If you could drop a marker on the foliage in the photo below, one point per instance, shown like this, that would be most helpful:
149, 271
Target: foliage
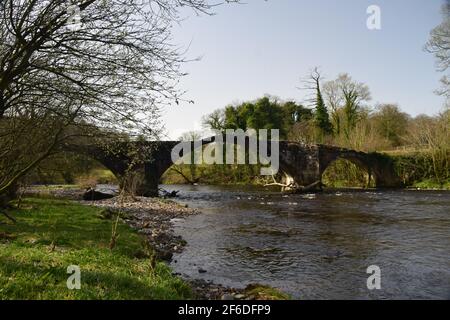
95, 177
67, 168
391, 124
432, 184
264, 113
355, 126
215, 175
342, 173
432, 136
262, 292
415, 167
321, 116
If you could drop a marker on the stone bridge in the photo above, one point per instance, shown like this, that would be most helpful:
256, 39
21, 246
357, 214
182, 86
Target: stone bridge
300, 164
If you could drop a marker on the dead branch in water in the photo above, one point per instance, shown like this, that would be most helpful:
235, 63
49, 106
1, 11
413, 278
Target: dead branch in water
295, 188
312, 186
276, 183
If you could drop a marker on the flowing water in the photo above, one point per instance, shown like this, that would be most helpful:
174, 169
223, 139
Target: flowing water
318, 246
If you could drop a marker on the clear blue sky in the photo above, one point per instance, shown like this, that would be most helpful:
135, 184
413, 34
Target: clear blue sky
265, 47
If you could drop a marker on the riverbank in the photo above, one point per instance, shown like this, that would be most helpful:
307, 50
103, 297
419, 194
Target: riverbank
153, 218
149, 223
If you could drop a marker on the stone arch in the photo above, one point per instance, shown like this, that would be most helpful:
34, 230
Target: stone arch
360, 162
378, 166
158, 160
118, 162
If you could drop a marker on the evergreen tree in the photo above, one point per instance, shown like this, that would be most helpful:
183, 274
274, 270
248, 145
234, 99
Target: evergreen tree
321, 117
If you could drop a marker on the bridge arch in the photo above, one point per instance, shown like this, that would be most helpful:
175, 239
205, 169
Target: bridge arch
378, 166
353, 172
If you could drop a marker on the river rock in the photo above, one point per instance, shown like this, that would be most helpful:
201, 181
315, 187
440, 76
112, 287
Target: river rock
165, 255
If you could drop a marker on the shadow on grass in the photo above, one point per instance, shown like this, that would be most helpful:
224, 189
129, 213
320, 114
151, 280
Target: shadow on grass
34, 281
50, 235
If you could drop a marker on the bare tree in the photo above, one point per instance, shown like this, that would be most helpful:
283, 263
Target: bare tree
112, 68
354, 94
345, 97
439, 45
334, 99
431, 135
120, 60
214, 120
321, 117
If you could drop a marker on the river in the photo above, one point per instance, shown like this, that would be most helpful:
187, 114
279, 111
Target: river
318, 246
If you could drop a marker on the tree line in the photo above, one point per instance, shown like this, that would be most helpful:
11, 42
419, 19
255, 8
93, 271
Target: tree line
337, 112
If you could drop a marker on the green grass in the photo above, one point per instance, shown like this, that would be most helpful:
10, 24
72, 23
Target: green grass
263, 292
432, 184
104, 176
52, 234
96, 176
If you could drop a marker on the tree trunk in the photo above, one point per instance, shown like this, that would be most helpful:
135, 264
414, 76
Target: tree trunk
8, 195
5, 198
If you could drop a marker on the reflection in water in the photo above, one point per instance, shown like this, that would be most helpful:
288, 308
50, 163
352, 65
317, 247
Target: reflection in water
319, 246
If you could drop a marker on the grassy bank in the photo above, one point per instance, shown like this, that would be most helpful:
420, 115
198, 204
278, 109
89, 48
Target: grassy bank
422, 170
52, 234
431, 184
